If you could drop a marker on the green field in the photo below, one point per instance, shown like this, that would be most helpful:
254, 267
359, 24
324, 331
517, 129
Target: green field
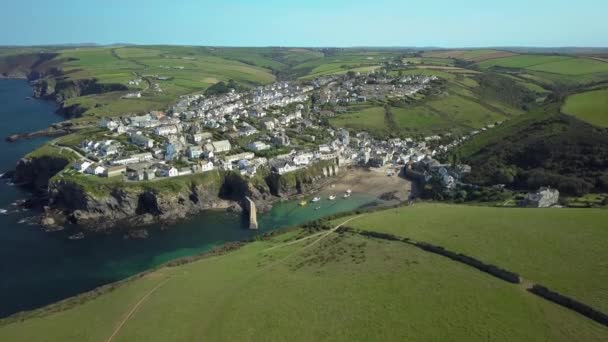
590, 106
550, 70
454, 113
521, 62
562, 249
574, 66
342, 287
367, 118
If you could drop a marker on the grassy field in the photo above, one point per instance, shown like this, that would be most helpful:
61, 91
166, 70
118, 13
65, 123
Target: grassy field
454, 112
562, 249
476, 55
367, 118
522, 61
177, 70
590, 106
344, 287
550, 70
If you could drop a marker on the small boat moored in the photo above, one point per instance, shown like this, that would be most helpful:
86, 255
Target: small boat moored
303, 203
332, 197
316, 199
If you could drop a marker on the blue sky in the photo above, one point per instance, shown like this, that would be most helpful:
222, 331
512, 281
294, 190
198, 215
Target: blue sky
445, 23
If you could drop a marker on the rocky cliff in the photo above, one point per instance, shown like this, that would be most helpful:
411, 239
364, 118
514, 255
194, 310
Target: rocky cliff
135, 205
104, 207
50, 81
35, 172
301, 181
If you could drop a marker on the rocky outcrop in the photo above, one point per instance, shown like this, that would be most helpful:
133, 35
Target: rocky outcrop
60, 90
50, 81
35, 172
131, 205
301, 181
140, 206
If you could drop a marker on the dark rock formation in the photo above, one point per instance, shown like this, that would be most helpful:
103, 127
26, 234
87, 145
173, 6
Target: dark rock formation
35, 173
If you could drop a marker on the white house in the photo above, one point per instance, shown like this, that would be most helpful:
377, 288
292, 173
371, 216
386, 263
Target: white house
221, 146
281, 166
81, 165
302, 158
206, 166
200, 137
168, 172
258, 146
166, 130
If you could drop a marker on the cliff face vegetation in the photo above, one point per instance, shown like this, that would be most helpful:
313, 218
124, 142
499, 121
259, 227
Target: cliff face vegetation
101, 203
50, 81
545, 149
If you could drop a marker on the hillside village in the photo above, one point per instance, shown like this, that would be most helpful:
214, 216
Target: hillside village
277, 127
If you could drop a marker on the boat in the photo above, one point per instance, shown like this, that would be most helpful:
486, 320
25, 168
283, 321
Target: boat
303, 203
3, 211
332, 197
349, 191
346, 195
316, 199
77, 236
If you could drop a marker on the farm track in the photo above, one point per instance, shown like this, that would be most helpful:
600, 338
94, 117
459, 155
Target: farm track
321, 235
134, 309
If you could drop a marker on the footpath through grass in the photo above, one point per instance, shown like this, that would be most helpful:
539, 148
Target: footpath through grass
344, 288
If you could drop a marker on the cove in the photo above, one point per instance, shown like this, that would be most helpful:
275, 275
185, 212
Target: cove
38, 268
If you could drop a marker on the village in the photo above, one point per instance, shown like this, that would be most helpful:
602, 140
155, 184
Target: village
277, 127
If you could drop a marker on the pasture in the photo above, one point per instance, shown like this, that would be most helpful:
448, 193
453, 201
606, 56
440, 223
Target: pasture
476, 55
591, 106
186, 70
563, 249
334, 286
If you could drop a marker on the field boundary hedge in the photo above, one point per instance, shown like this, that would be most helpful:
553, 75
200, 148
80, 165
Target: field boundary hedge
493, 270
570, 303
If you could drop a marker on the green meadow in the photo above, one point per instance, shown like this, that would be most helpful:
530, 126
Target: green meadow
336, 286
591, 107
564, 249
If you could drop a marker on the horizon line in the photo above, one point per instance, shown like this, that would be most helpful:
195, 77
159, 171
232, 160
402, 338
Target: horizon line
306, 47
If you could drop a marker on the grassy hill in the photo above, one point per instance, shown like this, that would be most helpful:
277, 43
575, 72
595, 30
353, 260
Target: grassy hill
543, 147
591, 107
551, 69
563, 249
459, 105
338, 286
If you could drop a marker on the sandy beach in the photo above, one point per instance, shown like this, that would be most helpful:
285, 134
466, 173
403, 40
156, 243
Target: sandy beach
374, 182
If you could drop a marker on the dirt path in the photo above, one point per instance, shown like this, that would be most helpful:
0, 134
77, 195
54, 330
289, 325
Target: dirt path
135, 307
308, 237
143, 299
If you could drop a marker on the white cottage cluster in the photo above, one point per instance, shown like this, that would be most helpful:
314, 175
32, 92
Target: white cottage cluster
262, 127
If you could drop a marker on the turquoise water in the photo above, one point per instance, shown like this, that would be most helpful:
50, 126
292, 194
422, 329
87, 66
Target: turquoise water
38, 268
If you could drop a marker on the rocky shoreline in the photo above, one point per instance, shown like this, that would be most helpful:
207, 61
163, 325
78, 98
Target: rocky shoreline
65, 203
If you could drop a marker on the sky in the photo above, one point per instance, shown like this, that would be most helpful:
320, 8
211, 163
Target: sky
307, 23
